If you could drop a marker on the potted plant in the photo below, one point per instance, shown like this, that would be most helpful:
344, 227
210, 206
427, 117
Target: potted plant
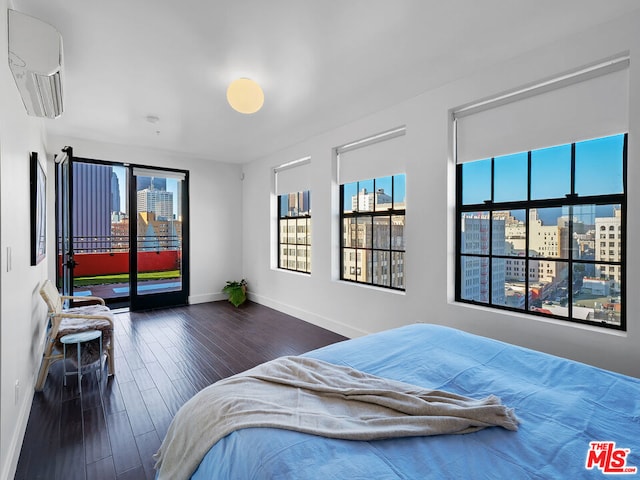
236, 291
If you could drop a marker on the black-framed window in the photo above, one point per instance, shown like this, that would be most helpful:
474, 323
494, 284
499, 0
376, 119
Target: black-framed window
294, 231
533, 232
372, 244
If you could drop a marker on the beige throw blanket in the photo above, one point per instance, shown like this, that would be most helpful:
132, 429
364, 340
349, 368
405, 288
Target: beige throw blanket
312, 396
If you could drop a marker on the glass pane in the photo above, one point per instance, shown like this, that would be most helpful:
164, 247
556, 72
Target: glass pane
301, 258
548, 292
291, 231
381, 268
381, 233
284, 205
597, 297
384, 190
291, 257
551, 172
283, 231
349, 232
476, 182
549, 232
400, 192
100, 236
608, 229
513, 295
349, 265
548, 286
301, 231
509, 233
308, 240
363, 239
475, 278
475, 232
283, 256
510, 177
498, 272
397, 232
585, 237
159, 234
365, 196
364, 270
304, 203
397, 270
599, 166
350, 197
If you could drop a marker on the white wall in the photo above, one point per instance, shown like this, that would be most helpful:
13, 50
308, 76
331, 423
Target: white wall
354, 309
215, 204
215, 208
22, 313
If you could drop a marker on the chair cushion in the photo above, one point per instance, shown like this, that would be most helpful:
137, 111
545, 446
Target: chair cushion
75, 325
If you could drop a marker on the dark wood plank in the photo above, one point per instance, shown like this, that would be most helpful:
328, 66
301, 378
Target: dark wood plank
96, 438
137, 473
123, 444
70, 461
148, 445
139, 418
162, 357
158, 411
102, 469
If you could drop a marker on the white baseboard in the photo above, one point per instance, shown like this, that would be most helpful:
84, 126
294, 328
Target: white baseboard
9, 469
310, 317
208, 297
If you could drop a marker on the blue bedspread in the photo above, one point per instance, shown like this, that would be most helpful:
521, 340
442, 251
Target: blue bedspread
563, 406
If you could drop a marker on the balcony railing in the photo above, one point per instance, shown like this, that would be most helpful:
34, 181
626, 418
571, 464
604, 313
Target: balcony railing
109, 255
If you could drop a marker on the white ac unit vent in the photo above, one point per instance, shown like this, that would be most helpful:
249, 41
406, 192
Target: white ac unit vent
35, 59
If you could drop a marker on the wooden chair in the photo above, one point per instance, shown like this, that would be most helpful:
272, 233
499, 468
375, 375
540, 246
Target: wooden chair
73, 320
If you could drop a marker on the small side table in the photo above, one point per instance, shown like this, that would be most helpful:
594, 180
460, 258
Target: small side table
79, 339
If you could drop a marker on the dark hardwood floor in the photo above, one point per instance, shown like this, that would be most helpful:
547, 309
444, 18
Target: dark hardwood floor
162, 358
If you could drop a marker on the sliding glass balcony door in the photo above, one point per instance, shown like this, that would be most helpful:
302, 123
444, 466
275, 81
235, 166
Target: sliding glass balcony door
159, 257
122, 232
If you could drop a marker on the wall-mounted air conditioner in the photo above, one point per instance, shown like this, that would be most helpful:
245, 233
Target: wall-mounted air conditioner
35, 59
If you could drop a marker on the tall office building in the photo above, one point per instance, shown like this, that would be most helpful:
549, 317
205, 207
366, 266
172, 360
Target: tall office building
115, 193
151, 183
609, 245
159, 202
92, 205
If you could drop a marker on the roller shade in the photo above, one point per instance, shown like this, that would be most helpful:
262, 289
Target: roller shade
149, 172
293, 176
590, 103
377, 156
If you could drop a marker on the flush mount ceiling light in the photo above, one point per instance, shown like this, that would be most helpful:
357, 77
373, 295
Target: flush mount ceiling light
245, 96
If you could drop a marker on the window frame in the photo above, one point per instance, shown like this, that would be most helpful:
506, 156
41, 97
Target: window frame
570, 200
357, 216
285, 244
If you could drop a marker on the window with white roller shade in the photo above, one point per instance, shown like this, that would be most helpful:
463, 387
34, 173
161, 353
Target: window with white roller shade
292, 181
590, 103
372, 210
293, 176
376, 156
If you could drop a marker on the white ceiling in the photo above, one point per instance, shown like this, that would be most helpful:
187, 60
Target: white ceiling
321, 63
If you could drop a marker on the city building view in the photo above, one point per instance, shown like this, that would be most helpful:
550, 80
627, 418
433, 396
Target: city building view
595, 285
294, 241
548, 244
373, 220
101, 230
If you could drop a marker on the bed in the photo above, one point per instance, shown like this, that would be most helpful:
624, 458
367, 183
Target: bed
576, 421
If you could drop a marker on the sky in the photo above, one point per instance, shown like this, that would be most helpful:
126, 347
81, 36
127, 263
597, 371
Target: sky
399, 188
598, 171
172, 186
